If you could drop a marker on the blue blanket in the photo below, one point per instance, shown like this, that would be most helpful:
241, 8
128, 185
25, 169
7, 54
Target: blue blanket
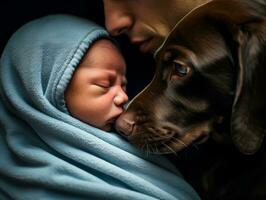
48, 154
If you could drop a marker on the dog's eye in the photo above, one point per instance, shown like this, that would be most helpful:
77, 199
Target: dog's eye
180, 69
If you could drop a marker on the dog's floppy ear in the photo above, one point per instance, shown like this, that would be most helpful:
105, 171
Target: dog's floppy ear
245, 22
248, 122
247, 25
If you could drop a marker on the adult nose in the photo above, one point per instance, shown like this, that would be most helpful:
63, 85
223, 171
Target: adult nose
117, 18
121, 98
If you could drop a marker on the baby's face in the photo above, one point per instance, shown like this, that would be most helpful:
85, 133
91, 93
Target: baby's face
96, 92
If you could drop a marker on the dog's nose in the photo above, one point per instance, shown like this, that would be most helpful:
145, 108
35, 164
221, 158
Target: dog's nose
125, 124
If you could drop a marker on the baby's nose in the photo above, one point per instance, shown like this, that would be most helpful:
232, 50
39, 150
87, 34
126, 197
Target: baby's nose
121, 98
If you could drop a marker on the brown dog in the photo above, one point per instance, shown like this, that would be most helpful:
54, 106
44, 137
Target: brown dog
210, 80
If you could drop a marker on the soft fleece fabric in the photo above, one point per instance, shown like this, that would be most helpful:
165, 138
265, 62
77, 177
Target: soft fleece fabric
47, 154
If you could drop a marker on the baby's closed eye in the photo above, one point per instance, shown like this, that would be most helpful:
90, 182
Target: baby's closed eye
103, 84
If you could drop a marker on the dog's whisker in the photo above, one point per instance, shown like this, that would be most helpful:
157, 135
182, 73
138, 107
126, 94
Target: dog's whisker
157, 150
180, 141
148, 150
142, 148
152, 150
168, 147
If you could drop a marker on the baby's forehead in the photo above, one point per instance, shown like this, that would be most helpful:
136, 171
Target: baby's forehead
107, 43
104, 54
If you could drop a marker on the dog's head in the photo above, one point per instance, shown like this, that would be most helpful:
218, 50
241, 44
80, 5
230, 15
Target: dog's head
210, 78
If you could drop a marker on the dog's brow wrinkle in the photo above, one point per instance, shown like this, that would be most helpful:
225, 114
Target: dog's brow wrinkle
197, 105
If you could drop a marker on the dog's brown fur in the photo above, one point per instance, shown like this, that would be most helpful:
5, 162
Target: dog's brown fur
210, 80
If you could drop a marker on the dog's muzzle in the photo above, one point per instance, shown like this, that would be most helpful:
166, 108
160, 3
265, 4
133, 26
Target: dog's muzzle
125, 124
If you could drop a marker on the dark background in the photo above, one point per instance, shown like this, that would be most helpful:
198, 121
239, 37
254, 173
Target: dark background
14, 14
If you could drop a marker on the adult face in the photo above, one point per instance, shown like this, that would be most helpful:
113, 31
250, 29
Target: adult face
146, 22
96, 92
